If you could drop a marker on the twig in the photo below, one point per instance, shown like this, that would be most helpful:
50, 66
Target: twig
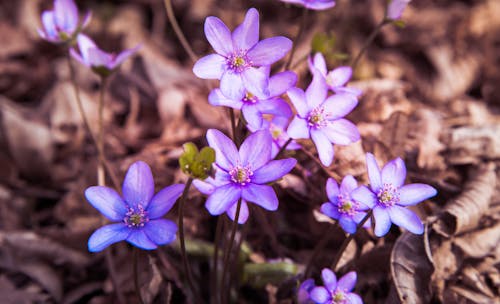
178, 32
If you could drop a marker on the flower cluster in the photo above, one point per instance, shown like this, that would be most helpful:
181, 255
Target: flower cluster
332, 292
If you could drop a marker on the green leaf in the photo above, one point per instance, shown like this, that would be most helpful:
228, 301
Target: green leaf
196, 164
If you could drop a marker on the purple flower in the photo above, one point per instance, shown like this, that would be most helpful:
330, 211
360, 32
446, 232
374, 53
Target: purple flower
321, 118
396, 8
303, 296
342, 206
138, 214
277, 127
388, 197
254, 106
61, 24
99, 61
243, 174
238, 55
336, 292
313, 4
335, 79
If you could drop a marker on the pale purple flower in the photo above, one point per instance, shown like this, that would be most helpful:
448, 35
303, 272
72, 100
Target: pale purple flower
395, 9
238, 55
243, 174
277, 127
336, 79
321, 118
303, 294
313, 4
336, 292
388, 197
138, 214
253, 107
342, 206
62, 24
99, 61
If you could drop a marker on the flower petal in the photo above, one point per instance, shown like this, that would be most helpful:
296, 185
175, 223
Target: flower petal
341, 132
216, 98
124, 55
339, 76
413, 194
222, 198
275, 106
348, 184
256, 82
84, 45
164, 200
382, 221
320, 295
232, 86
273, 170
270, 50
394, 172
99, 58
256, 149
348, 281
243, 216
353, 298
317, 62
138, 238
332, 190
348, 90
226, 154
365, 196
205, 186
107, 235
262, 195
373, 172
298, 99
323, 146
160, 231
331, 210
66, 15
218, 35
329, 279
298, 128
210, 67
406, 218
246, 35
347, 223
48, 24
339, 105
253, 116
320, 5
317, 90
281, 82
77, 56
138, 185
107, 201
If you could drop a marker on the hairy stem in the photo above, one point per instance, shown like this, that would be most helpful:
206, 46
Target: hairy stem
349, 239
136, 275
178, 32
297, 38
282, 149
101, 179
215, 259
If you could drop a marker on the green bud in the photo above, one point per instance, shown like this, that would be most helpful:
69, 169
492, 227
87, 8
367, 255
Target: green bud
197, 164
323, 43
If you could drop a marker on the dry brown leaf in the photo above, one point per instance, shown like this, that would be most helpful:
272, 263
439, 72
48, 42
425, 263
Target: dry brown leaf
480, 243
471, 145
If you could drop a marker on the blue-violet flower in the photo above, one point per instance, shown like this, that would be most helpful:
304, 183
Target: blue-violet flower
388, 197
238, 55
243, 174
395, 9
138, 214
303, 294
342, 206
313, 4
321, 118
62, 24
336, 292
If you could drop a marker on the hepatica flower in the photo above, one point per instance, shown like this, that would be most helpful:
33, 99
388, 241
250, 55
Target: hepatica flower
253, 107
336, 292
395, 9
335, 79
321, 118
138, 214
238, 55
243, 174
388, 197
303, 294
277, 127
62, 23
99, 61
313, 4
342, 206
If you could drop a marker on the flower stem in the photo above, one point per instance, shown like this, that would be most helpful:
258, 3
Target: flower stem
136, 275
319, 246
367, 43
178, 32
228, 252
349, 239
101, 179
233, 124
213, 278
187, 268
297, 38
282, 149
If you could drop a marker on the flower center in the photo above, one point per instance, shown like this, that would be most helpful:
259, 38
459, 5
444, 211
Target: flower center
275, 131
388, 196
250, 98
238, 61
241, 175
317, 118
338, 297
136, 218
346, 205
